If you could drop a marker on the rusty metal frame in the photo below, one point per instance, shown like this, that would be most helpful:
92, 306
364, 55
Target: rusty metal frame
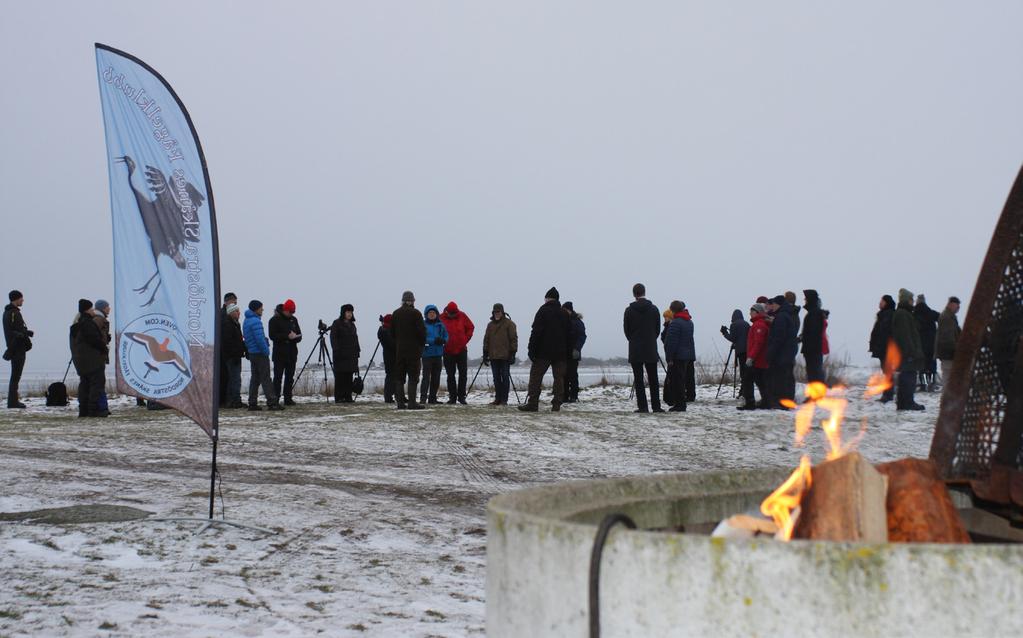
998, 475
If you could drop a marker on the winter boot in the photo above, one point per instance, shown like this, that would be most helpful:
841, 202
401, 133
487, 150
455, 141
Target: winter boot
529, 407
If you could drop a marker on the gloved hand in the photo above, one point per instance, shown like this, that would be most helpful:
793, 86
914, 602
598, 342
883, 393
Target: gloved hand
724, 331
30, 333
576, 355
749, 363
486, 360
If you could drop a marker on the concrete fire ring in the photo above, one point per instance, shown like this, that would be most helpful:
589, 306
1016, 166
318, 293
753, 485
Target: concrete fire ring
677, 584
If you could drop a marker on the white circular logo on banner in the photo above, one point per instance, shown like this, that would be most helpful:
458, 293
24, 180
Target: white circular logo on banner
154, 358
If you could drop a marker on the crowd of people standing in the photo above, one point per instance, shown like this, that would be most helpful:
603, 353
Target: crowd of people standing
418, 345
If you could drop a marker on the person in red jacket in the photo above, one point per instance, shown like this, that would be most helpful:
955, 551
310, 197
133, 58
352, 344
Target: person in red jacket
456, 350
756, 355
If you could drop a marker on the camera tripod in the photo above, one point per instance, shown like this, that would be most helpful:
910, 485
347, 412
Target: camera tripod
724, 372
323, 359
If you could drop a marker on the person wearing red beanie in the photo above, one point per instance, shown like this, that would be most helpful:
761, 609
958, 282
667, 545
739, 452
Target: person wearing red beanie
285, 333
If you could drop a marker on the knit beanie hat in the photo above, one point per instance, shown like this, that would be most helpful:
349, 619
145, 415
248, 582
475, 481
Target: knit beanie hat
84, 305
553, 294
102, 305
255, 305
408, 297
758, 308
350, 307
14, 295
905, 296
232, 308
568, 306
289, 305
778, 300
498, 307
763, 299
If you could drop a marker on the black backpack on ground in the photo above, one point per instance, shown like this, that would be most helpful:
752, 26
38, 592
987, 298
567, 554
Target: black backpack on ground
56, 393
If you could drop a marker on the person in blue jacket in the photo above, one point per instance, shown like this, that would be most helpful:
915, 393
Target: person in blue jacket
680, 352
258, 348
433, 355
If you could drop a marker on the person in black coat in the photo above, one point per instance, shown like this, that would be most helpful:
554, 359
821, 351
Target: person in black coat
881, 335
285, 334
386, 340
230, 299
548, 348
232, 350
642, 323
813, 336
738, 333
344, 341
89, 354
19, 342
782, 348
927, 321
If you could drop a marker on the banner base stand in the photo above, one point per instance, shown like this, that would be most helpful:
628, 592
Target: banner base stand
207, 523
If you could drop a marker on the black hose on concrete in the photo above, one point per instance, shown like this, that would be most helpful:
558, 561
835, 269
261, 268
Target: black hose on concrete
598, 550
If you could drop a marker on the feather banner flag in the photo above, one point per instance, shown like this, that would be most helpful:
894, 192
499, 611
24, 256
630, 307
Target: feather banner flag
166, 261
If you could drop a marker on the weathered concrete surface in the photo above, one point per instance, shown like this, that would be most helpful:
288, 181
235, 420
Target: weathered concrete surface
670, 584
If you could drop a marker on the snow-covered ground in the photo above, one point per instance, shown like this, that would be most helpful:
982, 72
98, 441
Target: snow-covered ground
379, 515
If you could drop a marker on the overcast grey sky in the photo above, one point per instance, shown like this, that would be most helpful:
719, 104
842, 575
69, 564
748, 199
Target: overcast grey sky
484, 152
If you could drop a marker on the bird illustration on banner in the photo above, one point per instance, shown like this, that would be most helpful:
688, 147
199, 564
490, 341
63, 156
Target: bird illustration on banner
164, 219
159, 353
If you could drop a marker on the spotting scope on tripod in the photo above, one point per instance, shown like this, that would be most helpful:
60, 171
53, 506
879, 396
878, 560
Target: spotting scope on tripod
322, 353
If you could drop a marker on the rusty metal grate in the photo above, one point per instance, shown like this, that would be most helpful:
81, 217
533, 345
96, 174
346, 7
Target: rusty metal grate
979, 434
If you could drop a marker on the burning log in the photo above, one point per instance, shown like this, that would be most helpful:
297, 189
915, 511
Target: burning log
920, 509
845, 502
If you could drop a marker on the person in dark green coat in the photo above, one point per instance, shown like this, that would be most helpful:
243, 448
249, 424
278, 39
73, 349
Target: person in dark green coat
906, 334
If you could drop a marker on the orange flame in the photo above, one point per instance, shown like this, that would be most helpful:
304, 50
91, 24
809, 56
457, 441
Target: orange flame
784, 501
881, 382
783, 505
819, 396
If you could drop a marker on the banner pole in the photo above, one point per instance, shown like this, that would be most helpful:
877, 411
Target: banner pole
213, 477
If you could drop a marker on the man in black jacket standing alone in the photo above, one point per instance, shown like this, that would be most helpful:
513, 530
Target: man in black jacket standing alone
548, 348
642, 327
813, 336
285, 334
19, 341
